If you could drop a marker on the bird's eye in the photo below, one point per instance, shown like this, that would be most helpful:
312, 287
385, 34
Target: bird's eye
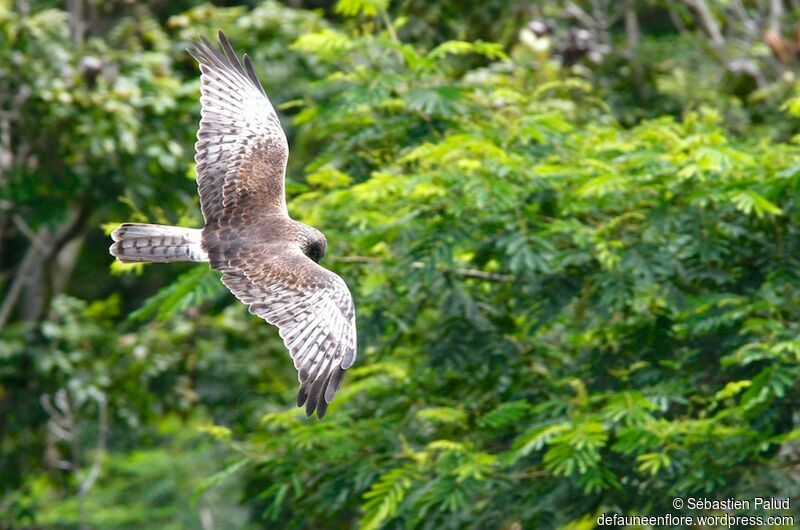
314, 252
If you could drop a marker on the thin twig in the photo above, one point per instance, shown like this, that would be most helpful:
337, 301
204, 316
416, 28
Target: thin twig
481, 275
39, 253
21, 278
387, 21
750, 25
709, 24
576, 12
465, 272
633, 36
632, 32
102, 435
775, 15
76, 23
35, 239
600, 16
675, 17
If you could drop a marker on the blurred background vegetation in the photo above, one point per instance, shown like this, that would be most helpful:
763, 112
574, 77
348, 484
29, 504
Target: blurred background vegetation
570, 227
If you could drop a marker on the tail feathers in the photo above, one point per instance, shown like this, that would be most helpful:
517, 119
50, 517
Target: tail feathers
135, 243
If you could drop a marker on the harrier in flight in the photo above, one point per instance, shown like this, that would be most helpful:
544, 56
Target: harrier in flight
268, 260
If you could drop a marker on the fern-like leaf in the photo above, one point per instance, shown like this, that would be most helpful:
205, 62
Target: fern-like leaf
191, 288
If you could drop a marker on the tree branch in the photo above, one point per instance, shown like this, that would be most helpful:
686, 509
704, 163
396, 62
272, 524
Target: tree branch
675, 17
102, 436
465, 272
575, 11
21, 278
775, 16
718, 45
633, 35
43, 248
76, 25
709, 24
750, 26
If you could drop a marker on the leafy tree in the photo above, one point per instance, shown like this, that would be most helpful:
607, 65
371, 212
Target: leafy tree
557, 312
571, 300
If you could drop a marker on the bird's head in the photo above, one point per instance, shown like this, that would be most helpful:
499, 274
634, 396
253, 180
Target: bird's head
315, 244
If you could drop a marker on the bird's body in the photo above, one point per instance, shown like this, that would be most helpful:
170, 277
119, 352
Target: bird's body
269, 261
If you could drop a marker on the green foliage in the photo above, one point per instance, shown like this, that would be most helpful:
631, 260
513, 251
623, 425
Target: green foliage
147, 487
576, 291
564, 308
361, 7
189, 289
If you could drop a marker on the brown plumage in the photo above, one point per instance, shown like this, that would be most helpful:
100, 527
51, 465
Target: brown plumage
268, 260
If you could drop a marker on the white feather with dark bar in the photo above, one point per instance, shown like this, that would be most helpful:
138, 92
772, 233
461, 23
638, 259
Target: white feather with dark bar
141, 243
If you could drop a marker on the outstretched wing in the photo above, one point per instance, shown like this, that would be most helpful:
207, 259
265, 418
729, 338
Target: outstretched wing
241, 149
312, 308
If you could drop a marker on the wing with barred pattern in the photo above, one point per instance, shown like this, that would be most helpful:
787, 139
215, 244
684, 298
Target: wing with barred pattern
312, 308
241, 149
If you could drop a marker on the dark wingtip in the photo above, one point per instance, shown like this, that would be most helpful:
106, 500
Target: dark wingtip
316, 395
322, 407
334, 382
206, 42
230, 54
207, 54
196, 54
311, 405
201, 50
251, 73
302, 395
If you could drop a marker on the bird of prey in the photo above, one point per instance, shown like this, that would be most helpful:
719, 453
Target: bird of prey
268, 260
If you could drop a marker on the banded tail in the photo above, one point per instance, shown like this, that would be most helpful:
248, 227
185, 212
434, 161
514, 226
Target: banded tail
135, 243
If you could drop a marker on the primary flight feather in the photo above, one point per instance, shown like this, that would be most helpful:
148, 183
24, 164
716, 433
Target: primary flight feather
268, 260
